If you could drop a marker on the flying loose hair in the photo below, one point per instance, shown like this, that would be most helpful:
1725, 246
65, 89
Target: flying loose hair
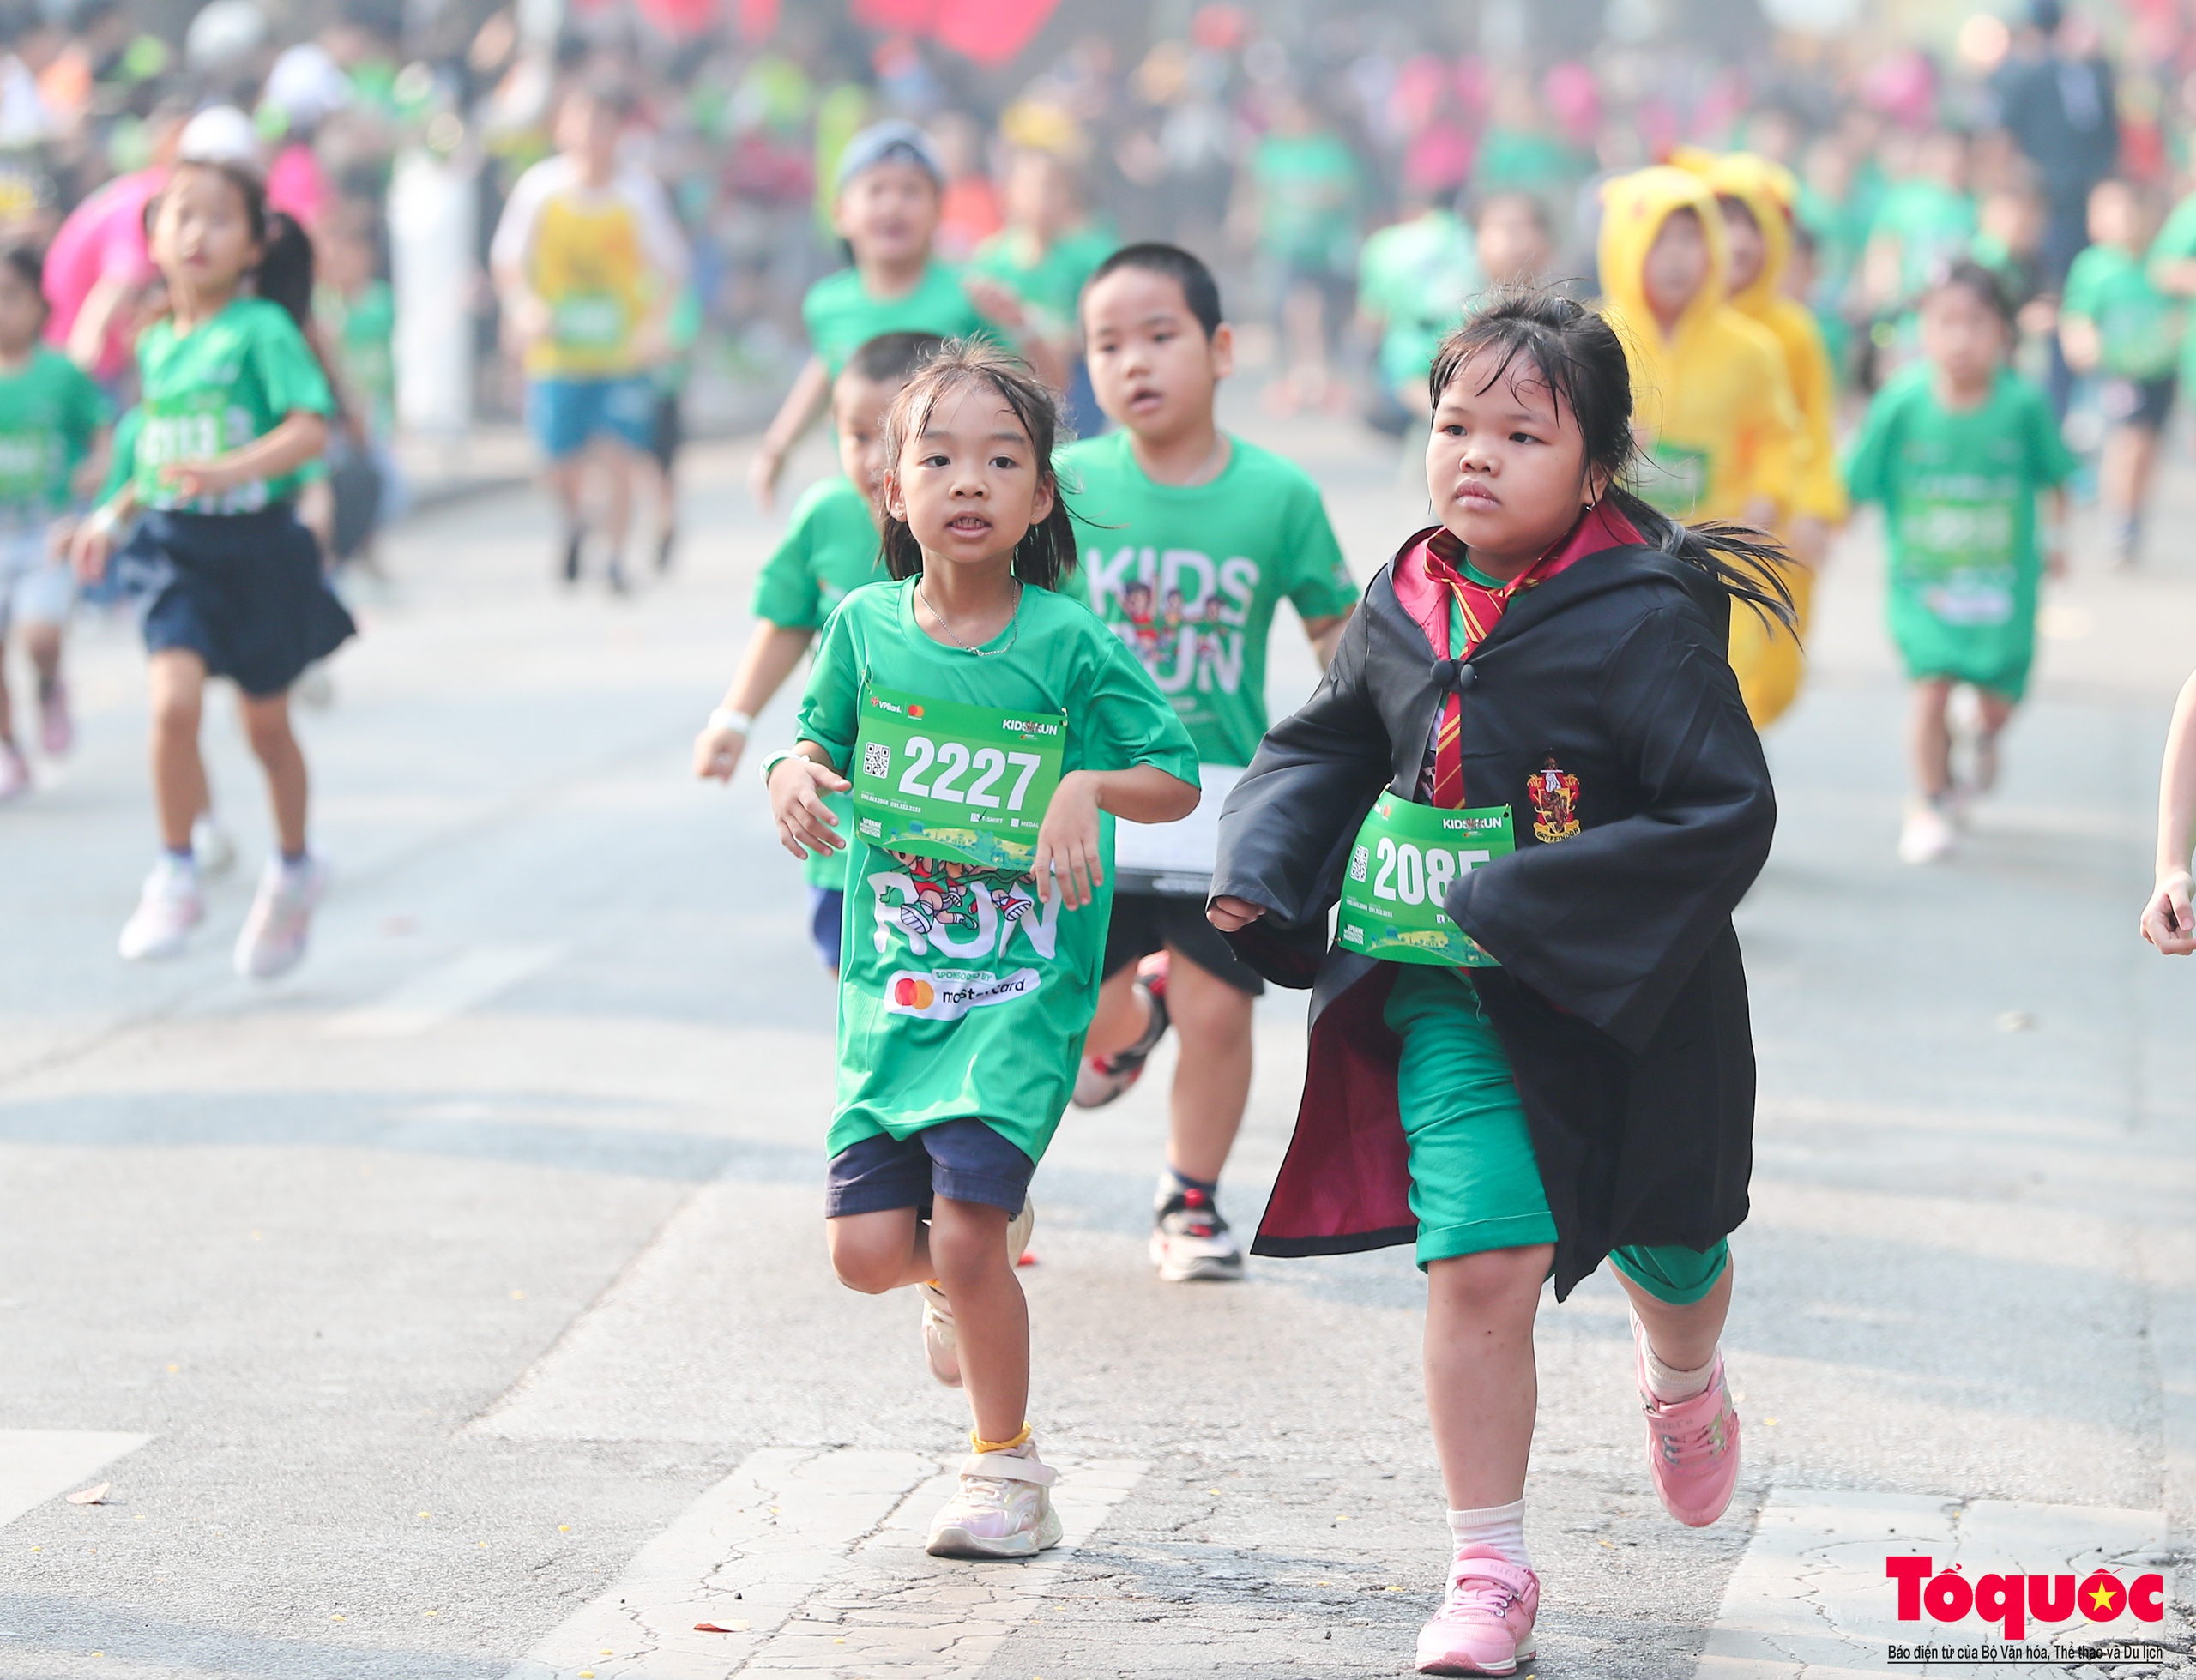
1582, 360
1047, 553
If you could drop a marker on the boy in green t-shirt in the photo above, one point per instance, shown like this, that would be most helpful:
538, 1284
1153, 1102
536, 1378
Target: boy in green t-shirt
2115, 325
1956, 448
891, 187
828, 550
50, 415
1192, 539
1044, 254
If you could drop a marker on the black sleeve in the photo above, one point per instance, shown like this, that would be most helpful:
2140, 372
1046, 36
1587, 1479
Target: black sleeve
1289, 820
1609, 924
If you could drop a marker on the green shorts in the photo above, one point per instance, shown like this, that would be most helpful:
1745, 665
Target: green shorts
1475, 1183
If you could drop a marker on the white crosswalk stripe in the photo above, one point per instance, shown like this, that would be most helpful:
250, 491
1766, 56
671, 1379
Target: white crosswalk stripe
38, 1465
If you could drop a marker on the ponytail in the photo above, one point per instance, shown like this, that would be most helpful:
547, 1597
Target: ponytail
1745, 563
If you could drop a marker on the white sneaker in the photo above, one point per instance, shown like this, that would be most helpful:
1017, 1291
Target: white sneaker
941, 1351
1190, 1242
1927, 835
168, 908
1003, 1508
273, 937
211, 848
14, 773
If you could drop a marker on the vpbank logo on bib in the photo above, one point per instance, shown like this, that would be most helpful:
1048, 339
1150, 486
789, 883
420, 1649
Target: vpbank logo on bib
948, 994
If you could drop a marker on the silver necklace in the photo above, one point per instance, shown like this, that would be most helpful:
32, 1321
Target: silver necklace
1014, 623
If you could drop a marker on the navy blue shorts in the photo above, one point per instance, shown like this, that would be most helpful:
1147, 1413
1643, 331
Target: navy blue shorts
827, 922
963, 1161
245, 592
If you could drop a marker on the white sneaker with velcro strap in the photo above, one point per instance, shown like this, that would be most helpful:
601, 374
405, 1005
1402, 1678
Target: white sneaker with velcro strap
1003, 1508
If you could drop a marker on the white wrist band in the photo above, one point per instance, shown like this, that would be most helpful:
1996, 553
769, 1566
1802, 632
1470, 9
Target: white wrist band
741, 723
104, 520
775, 760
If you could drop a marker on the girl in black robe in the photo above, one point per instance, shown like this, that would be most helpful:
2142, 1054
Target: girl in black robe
1556, 647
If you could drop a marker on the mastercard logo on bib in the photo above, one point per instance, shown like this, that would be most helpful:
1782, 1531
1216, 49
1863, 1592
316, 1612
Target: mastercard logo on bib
948, 994
911, 992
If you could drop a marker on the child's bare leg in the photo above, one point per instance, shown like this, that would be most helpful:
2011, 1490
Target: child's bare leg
991, 1318
1122, 1016
1483, 1388
1683, 1338
178, 681
42, 641
1929, 740
877, 1252
618, 467
7, 706
266, 726
1212, 1076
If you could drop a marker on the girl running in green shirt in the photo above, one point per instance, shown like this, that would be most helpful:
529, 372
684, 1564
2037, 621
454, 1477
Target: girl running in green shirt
987, 728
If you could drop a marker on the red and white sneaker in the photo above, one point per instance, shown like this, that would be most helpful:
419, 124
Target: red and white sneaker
1692, 1445
1190, 1242
1485, 1625
1103, 1078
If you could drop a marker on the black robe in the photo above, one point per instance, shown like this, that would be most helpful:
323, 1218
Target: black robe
1621, 999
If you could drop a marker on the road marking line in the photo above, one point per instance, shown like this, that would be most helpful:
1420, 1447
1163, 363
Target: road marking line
793, 1525
426, 1001
1810, 1596
38, 1465
897, 1609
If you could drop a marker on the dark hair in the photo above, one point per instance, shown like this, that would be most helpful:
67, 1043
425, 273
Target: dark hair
606, 93
1577, 355
29, 267
1199, 290
1982, 281
283, 274
1047, 553
892, 358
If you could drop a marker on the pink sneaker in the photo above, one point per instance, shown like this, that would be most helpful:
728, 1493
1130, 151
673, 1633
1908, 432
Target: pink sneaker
1485, 1626
56, 729
1692, 1445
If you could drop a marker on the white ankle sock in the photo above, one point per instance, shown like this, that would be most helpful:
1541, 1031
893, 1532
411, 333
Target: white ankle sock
1502, 1526
1668, 1384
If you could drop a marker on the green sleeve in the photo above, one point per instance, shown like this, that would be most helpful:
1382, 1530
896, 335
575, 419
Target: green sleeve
2051, 462
2177, 239
2080, 297
84, 411
827, 705
785, 592
1131, 721
287, 371
1867, 462
1320, 583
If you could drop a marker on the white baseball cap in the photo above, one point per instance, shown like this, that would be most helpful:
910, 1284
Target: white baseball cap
219, 134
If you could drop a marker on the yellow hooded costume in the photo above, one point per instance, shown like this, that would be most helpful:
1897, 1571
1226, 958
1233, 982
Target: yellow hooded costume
1710, 397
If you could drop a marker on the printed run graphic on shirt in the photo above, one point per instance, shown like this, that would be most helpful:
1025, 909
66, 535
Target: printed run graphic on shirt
1959, 534
982, 920
1184, 613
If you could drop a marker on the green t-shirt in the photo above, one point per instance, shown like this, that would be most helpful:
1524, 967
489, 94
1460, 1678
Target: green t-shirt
1049, 281
828, 550
841, 316
1932, 225
1523, 160
229, 380
363, 331
2176, 242
959, 997
49, 414
1189, 577
2138, 327
1307, 184
1416, 277
1959, 491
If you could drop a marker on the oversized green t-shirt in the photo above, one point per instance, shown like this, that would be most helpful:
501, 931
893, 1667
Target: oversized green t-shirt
1932, 224
2137, 326
841, 316
1416, 277
1189, 577
1049, 281
828, 550
1958, 491
1307, 191
50, 411
363, 331
960, 995
228, 381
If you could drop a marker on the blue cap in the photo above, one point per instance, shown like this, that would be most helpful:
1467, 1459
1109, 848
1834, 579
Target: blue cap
895, 142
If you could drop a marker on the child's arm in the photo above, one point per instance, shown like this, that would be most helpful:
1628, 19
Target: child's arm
2168, 921
1048, 358
1325, 635
772, 653
798, 781
812, 389
2080, 340
301, 436
2054, 533
1067, 840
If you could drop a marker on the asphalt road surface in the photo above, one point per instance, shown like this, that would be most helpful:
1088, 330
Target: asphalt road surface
456, 1308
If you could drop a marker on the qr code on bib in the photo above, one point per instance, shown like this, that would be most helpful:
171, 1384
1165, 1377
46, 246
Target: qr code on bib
875, 759
1359, 861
